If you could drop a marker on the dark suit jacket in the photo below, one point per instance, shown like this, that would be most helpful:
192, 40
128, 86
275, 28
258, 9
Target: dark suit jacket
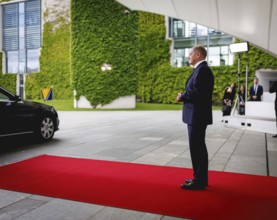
273, 89
197, 108
259, 93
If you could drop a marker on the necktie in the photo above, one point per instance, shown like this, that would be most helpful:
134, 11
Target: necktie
256, 87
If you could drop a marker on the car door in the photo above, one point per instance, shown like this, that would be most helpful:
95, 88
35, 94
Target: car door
5, 126
16, 116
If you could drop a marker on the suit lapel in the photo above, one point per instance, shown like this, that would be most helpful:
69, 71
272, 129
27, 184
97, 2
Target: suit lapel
194, 70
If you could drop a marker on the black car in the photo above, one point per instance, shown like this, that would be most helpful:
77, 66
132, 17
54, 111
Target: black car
18, 116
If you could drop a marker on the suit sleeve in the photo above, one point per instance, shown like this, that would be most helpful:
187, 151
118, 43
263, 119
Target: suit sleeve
273, 88
262, 90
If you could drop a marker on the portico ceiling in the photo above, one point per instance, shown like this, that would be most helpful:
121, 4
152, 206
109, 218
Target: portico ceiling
254, 21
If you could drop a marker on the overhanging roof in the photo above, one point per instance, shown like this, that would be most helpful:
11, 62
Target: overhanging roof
254, 21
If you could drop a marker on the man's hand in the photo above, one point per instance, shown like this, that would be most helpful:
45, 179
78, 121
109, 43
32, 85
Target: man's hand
178, 98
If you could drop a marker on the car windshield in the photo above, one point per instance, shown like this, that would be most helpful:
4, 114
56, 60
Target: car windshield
5, 96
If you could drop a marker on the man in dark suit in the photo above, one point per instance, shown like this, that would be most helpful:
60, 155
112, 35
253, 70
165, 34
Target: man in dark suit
256, 91
273, 89
197, 114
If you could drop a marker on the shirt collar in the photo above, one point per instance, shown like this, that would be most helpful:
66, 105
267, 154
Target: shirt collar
198, 63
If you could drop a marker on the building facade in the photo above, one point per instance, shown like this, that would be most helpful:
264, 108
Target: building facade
21, 27
21, 39
185, 35
21, 43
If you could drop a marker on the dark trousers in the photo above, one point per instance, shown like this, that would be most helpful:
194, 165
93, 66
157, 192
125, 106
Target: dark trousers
198, 152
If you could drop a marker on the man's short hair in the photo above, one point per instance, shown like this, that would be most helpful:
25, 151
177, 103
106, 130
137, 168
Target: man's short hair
201, 49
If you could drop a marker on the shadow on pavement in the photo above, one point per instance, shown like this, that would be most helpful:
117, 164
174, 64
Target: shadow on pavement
15, 143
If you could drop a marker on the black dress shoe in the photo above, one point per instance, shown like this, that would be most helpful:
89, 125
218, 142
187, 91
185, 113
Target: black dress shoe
191, 181
274, 136
193, 186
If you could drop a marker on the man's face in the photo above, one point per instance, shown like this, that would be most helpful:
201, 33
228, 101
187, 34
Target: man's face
193, 57
256, 81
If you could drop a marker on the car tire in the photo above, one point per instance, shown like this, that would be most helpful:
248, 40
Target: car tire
46, 129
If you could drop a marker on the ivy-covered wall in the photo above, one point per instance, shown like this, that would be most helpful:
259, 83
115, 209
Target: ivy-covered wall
54, 60
154, 52
159, 82
8, 81
101, 33
133, 43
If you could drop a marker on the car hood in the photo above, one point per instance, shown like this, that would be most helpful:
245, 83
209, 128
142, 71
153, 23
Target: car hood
38, 105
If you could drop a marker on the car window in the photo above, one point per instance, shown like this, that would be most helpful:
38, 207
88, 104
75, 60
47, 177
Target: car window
3, 97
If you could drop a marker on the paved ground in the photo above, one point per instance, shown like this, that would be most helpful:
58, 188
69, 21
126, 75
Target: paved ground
151, 137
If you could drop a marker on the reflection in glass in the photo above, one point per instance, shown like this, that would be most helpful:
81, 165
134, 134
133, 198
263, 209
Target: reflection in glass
22, 67
21, 32
187, 34
202, 31
32, 61
12, 62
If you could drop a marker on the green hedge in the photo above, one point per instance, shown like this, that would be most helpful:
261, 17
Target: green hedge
8, 81
103, 33
154, 55
159, 82
54, 61
136, 47
165, 81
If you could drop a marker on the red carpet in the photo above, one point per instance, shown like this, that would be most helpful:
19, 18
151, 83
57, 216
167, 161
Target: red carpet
147, 188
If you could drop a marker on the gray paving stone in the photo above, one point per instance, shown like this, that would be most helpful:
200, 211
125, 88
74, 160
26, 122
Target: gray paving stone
272, 157
173, 218
151, 137
9, 197
247, 164
58, 209
19, 208
123, 214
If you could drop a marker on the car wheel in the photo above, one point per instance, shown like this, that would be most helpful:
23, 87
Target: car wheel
46, 129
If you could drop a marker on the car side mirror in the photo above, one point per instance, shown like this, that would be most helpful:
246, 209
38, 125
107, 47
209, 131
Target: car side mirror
17, 98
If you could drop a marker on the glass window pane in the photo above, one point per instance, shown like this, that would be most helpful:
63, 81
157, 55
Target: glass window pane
32, 61
3, 97
10, 15
33, 39
192, 30
12, 62
214, 60
22, 31
225, 50
22, 56
33, 18
201, 30
214, 50
22, 67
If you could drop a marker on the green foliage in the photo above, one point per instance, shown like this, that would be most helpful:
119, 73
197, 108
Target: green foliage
154, 54
103, 33
8, 81
223, 77
54, 62
165, 82
159, 82
135, 45
255, 59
